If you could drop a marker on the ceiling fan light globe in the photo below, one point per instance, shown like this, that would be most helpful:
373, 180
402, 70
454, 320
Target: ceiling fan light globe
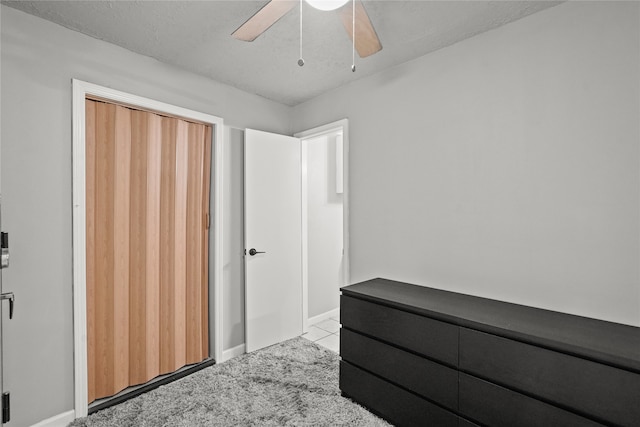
327, 4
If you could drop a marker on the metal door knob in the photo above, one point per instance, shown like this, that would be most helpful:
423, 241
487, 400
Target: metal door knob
252, 252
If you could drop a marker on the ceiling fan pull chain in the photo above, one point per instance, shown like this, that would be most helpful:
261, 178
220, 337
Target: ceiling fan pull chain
353, 36
301, 61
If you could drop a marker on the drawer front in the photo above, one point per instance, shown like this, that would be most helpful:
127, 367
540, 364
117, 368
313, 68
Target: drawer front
492, 405
466, 423
392, 403
425, 336
431, 380
601, 392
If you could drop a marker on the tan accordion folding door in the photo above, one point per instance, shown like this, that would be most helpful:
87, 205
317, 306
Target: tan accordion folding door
147, 210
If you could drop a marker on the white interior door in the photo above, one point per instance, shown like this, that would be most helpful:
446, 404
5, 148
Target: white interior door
1, 378
273, 295
1, 315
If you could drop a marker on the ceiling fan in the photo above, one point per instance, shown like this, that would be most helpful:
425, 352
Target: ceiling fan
356, 24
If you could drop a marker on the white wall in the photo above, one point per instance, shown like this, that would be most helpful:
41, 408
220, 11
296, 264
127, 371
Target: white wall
39, 59
506, 165
324, 225
233, 229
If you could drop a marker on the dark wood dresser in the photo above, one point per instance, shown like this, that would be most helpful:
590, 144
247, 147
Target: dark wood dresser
419, 356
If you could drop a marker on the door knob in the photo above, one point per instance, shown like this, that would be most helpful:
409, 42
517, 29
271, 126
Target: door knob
252, 252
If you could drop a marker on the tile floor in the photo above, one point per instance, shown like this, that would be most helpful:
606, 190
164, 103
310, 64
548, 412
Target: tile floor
326, 334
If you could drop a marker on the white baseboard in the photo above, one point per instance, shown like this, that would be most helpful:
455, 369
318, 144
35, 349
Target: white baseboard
60, 420
232, 352
324, 316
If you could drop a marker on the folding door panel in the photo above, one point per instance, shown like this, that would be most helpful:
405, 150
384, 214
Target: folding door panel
147, 180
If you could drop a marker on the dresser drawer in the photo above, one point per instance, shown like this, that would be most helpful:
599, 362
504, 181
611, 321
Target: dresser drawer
492, 405
429, 379
394, 404
431, 338
465, 423
598, 391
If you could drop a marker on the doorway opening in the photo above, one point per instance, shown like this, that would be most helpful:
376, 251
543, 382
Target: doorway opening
213, 247
325, 220
280, 244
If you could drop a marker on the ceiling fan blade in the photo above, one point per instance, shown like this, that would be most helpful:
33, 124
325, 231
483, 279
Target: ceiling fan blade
367, 42
263, 19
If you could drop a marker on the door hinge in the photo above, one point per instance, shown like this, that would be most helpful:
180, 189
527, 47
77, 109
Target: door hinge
6, 408
207, 221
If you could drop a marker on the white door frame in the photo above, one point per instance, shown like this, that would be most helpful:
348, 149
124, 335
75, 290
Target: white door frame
81, 90
307, 135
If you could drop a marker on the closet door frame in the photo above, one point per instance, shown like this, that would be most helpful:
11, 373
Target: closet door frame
81, 90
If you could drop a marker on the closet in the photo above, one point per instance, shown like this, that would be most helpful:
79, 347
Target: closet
147, 226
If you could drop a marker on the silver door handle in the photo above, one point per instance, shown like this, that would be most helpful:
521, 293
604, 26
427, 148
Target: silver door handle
11, 298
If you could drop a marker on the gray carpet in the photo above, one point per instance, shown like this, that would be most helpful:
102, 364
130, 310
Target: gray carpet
294, 383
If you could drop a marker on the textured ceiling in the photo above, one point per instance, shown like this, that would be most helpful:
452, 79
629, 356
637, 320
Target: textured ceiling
195, 35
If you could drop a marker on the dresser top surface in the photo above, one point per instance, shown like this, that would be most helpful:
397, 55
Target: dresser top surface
611, 343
